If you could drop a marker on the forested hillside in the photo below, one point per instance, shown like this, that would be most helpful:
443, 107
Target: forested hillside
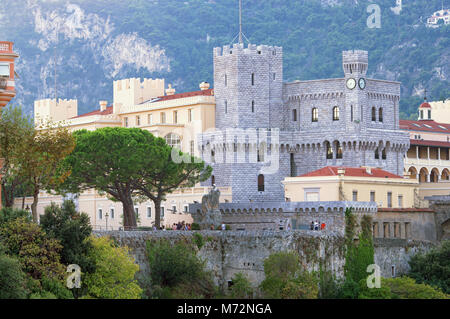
96, 42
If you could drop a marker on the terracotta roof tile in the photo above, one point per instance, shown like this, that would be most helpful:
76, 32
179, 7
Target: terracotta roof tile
425, 126
207, 92
107, 111
351, 171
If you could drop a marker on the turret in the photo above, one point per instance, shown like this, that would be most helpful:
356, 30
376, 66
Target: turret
7, 80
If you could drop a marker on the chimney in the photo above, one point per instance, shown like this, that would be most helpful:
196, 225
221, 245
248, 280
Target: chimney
341, 171
103, 105
170, 90
368, 170
204, 86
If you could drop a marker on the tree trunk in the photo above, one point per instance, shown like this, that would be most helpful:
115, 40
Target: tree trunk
23, 201
157, 203
8, 195
34, 205
129, 216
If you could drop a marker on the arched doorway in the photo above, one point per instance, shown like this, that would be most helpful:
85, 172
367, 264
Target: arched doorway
434, 176
445, 176
412, 172
423, 176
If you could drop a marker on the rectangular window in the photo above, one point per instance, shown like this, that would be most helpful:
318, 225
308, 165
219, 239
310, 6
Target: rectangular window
149, 212
253, 78
4, 70
174, 209
100, 213
150, 119
386, 230
136, 211
226, 106
125, 121
163, 117
162, 211
186, 209
372, 196
111, 212
273, 76
190, 115
226, 80
389, 199
355, 196
400, 201
294, 115
138, 120
175, 117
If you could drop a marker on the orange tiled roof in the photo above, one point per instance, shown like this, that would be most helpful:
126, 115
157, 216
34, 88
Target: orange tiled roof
351, 171
107, 111
207, 92
424, 125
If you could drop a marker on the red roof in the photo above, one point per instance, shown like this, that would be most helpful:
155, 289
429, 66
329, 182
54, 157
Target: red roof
351, 171
430, 143
425, 105
207, 92
424, 125
107, 111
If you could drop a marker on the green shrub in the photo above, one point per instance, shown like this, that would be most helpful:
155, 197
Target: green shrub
432, 268
286, 278
177, 272
8, 213
12, 279
115, 269
241, 288
198, 240
195, 226
407, 288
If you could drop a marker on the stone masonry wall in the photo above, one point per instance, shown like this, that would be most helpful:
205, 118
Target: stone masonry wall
230, 252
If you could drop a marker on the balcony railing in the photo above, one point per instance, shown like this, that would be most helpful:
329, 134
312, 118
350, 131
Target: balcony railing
427, 162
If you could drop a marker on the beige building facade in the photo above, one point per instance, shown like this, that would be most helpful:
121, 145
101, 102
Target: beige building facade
363, 184
178, 118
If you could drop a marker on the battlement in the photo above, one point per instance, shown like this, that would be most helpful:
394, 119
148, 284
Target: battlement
50, 109
355, 56
252, 49
129, 92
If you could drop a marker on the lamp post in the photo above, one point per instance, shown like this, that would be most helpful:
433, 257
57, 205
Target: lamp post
106, 217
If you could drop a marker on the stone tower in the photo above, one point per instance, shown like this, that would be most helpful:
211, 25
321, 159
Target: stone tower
248, 85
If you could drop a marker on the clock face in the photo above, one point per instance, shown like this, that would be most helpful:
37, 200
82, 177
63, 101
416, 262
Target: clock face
351, 83
362, 83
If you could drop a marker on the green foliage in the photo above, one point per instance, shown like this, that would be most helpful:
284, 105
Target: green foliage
8, 213
285, 278
198, 239
56, 288
71, 229
37, 254
400, 288
12, 279
177, 272
433, 268
195, 226
329, 285
358, 255
241, 288
114, 275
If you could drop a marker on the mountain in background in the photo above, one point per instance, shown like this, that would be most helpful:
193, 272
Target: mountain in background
91, 43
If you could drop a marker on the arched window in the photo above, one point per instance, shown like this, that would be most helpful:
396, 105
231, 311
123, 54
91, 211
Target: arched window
377, 154
294, 115
260, 183
383, 154
315, 115
336, 113
338, 150
380, 114
173, 140
329, 151
421, 114
213, 180
374, 114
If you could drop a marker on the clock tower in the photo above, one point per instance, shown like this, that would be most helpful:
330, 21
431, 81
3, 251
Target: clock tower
355, 63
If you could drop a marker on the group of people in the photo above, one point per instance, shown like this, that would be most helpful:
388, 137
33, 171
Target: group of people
181, 226
316, 225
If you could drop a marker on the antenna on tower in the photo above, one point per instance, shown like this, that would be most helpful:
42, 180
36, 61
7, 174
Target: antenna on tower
241, 34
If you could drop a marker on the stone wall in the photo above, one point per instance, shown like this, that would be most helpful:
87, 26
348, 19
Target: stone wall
441, 205
230, 252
